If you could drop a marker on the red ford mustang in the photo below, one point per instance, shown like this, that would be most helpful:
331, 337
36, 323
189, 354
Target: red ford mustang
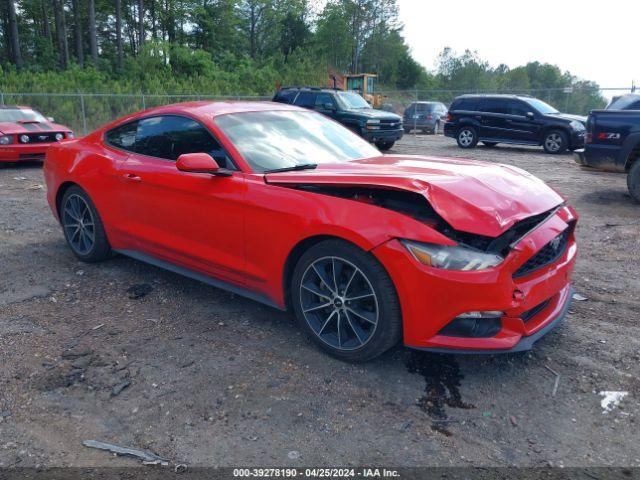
291, 209
26, 134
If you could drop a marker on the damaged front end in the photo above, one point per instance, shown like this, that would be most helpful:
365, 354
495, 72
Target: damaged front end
418, 208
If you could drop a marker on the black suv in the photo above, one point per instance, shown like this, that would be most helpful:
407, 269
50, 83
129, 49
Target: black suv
516, 119
350, 109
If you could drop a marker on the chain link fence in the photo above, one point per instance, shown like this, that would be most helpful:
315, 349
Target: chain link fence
84, 112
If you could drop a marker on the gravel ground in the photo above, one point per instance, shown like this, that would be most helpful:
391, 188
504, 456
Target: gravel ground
210, 379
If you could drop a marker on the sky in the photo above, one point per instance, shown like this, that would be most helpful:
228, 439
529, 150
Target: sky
597, 41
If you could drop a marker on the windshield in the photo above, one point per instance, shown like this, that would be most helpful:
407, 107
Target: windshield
540, 106
352, 100
20, 115
282, 139
623, 102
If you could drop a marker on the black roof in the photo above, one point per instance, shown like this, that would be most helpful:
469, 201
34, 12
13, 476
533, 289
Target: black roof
494, 95
315, 89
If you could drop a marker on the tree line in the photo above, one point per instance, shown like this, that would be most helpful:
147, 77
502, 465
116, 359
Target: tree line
233, 47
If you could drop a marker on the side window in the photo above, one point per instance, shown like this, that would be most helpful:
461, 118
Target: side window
285, 96
306, 100
324, 98
170, 136
493, 105
634, 106
515, 107
468, 104
123, 136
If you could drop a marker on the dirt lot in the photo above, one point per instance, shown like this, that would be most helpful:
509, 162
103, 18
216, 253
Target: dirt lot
206, 378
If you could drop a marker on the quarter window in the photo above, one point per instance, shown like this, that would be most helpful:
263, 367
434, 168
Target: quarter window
123, 136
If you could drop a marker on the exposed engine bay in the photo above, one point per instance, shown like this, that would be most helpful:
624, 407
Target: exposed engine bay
416, 206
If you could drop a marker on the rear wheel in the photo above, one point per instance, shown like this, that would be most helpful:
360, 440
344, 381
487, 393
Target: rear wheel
407, 130
555, 142
633, 181
467, 137
345, 301
384, 145
82, 226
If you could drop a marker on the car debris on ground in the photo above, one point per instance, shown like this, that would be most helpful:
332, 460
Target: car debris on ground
147, 457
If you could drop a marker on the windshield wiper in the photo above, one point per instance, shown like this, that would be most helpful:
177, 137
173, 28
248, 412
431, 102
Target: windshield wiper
302, 166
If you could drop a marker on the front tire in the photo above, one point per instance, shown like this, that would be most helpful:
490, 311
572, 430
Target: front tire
467, 137
633, 181
384, 146
345, 301
555, 142
82, 226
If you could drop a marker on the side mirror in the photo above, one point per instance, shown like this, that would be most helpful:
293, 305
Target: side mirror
530, 115
51, 119
200, 163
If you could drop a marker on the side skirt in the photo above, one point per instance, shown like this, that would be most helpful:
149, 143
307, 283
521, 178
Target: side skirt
214, 282
508, 141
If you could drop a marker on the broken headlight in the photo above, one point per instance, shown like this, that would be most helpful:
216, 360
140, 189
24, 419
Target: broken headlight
452, 257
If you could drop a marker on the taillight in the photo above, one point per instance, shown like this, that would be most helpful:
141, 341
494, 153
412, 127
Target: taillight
449, 117
429, 117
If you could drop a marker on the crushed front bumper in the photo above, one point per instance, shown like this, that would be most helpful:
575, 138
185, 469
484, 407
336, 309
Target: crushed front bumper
532, 304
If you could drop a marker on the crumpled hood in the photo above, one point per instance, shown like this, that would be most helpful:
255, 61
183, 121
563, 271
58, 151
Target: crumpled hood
8, 128
475, 197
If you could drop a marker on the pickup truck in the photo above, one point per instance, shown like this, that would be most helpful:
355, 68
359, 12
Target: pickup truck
612, 143
348, 108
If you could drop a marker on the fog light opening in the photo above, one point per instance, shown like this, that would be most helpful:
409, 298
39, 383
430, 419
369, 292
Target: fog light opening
484, 324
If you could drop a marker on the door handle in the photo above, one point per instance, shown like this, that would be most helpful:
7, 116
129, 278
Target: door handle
132, 177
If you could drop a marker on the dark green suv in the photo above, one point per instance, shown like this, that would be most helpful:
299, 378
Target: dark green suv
350, 109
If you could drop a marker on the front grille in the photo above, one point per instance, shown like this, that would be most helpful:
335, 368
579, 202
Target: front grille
41, 137
529, 314
390, 124
546, 255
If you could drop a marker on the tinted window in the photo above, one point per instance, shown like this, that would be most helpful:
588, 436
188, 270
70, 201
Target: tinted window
306, 100
323, 98
515, 107
124, 136
285, 96
493, 105
425, 107
170, 136
470, 104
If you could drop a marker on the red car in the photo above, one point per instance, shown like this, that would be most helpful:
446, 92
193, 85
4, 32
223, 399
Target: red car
25, 134
287, 207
